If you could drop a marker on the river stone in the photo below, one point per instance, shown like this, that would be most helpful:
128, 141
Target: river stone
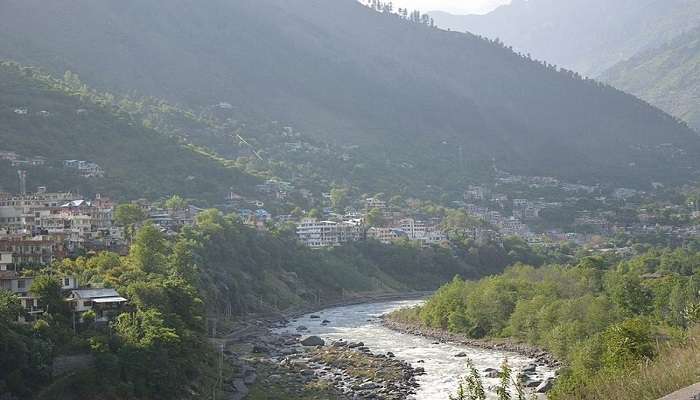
461, 355
545, 386
530, 368
530, 382
315, 317
302, 328
312, 341
491, 373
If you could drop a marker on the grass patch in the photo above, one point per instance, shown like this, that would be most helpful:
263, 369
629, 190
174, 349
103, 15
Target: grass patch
675, 368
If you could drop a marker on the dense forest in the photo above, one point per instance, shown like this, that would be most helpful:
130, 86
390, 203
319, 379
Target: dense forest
436, 112
602, 317
63, 123
667, 76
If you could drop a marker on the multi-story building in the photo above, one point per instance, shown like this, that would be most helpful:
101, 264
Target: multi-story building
385, 235
475, 193
7, 262
413, 228
35, 250
314, 233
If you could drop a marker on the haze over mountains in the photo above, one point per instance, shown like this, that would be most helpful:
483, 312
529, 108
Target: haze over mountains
667, 76
442, 105
588, 36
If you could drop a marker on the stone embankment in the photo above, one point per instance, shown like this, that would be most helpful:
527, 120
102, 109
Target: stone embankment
689, 393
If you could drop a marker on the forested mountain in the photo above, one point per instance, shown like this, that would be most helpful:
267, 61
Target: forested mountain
40, 117
667, 76
587, 36
438, 107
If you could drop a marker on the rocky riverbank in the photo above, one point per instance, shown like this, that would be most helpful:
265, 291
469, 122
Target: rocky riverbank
265, 365
541, 357
292, 366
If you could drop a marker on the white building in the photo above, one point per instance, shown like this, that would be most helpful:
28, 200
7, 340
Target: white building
413, 228
314, 233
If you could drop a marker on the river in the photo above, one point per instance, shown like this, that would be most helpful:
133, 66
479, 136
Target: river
360, 323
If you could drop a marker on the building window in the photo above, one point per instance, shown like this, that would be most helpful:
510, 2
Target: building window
21, 284
66, 281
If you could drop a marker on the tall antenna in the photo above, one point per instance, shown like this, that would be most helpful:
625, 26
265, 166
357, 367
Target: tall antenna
22, 182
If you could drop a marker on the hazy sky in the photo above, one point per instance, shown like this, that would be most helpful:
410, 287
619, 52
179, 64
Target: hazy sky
453, 6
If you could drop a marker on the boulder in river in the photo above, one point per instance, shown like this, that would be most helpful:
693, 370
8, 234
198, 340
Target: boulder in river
315, 317
545, 386
461, 355
302, 328
312, 341
530, 368
491, 373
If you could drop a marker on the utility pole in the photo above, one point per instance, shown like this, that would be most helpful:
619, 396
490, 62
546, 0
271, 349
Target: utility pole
22, 182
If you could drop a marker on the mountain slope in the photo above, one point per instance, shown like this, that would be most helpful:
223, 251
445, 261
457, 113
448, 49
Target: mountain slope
668, 77
587, 36
137, 162
441, 105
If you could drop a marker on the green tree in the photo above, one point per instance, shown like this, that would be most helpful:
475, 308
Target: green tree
626, 343
176, 203
48, 290
127, 216
10, 307
339, 199
148, 250
374, 217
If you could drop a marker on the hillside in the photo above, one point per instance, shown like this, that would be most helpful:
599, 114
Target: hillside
38, 117
433, 107
587, 36
668, 77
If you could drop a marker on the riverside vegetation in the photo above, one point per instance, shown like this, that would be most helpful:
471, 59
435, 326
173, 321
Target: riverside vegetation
627, 327
156, 348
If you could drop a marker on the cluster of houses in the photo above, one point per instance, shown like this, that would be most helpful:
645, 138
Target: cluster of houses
18, 160
40, 228
354, 226
58, 223
86, 169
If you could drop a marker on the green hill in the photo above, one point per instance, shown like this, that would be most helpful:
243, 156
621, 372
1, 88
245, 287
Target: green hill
137, 162
430, 107
668, 77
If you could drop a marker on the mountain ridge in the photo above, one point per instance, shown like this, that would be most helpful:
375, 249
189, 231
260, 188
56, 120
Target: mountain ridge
446, 103
666, 76
605, 31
